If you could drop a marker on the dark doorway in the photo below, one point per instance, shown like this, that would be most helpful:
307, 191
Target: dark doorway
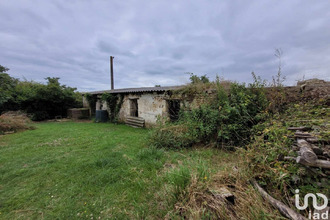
134, 108
174, 109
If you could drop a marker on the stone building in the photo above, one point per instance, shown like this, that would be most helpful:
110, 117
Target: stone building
141, 106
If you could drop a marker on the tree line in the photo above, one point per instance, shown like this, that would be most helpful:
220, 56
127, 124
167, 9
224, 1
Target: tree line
40, 101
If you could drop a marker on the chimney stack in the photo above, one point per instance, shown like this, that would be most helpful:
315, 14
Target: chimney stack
111, 72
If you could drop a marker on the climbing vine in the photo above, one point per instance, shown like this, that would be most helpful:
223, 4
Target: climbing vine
91, 99
114, 103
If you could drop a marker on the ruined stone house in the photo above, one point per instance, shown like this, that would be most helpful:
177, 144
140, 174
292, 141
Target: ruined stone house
142, 106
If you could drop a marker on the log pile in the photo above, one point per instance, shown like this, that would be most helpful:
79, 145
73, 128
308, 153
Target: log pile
313, 153
309, 154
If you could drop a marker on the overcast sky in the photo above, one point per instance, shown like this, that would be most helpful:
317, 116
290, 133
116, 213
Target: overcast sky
157, 42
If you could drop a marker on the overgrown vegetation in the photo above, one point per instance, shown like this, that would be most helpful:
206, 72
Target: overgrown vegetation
226, 117
131, 180
239, 110
261, 159
14, 121
254, 118
198, 192
194, 79
114, 103
273, 141
91, 99
40, 101
197, 125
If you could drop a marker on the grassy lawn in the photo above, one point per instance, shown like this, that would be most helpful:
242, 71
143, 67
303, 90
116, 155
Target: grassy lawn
74, 170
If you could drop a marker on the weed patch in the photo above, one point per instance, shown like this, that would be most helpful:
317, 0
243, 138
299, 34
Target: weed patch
13, 122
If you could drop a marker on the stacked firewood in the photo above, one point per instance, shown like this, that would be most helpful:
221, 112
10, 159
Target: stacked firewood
309, 154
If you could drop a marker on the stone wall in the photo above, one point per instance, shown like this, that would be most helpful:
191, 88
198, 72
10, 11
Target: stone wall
154, 105
150, 107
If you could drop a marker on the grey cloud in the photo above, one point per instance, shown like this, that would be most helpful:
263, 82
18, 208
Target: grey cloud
112, 49
156, 42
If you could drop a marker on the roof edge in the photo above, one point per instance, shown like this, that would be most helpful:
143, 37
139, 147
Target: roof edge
136, 90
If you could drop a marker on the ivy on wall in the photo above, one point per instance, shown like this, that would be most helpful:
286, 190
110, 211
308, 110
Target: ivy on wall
114, 103
91, 99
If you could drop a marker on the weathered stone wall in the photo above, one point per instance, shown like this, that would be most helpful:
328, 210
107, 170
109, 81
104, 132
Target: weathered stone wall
150, 107
154, 105
78, 113
85, 102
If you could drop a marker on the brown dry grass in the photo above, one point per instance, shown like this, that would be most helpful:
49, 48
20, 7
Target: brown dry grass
200, 202
179, 128
13, 122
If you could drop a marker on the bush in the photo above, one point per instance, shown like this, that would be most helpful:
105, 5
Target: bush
13, 122
194, 126
202, 122
240, 109
171, 136
40, 100
228, 118
7, 89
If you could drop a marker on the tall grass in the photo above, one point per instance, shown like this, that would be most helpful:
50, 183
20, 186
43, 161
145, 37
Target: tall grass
14, 121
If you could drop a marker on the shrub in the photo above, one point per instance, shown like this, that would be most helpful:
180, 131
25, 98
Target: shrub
194, 79
169, 135
202, 122
240, 109
7, 89
37, 99
194, 126
229, 117
14, 121
46, 101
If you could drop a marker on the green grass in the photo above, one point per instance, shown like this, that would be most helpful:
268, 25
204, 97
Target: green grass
86, 170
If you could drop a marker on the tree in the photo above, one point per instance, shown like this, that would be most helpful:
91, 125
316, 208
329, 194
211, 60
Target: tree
41, 101
194, 79
3, 69
47, 101
7, 88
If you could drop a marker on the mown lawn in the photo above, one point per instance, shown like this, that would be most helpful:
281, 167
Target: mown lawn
73, 170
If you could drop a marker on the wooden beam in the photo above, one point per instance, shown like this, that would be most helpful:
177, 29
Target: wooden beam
306, 151
284, 210
317, 163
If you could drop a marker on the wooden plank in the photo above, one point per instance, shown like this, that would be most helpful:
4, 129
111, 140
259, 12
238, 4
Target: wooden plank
284, 210
317, 163
306, 151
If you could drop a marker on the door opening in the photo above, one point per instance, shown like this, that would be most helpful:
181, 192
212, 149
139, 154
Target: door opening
174, 109
134, 110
